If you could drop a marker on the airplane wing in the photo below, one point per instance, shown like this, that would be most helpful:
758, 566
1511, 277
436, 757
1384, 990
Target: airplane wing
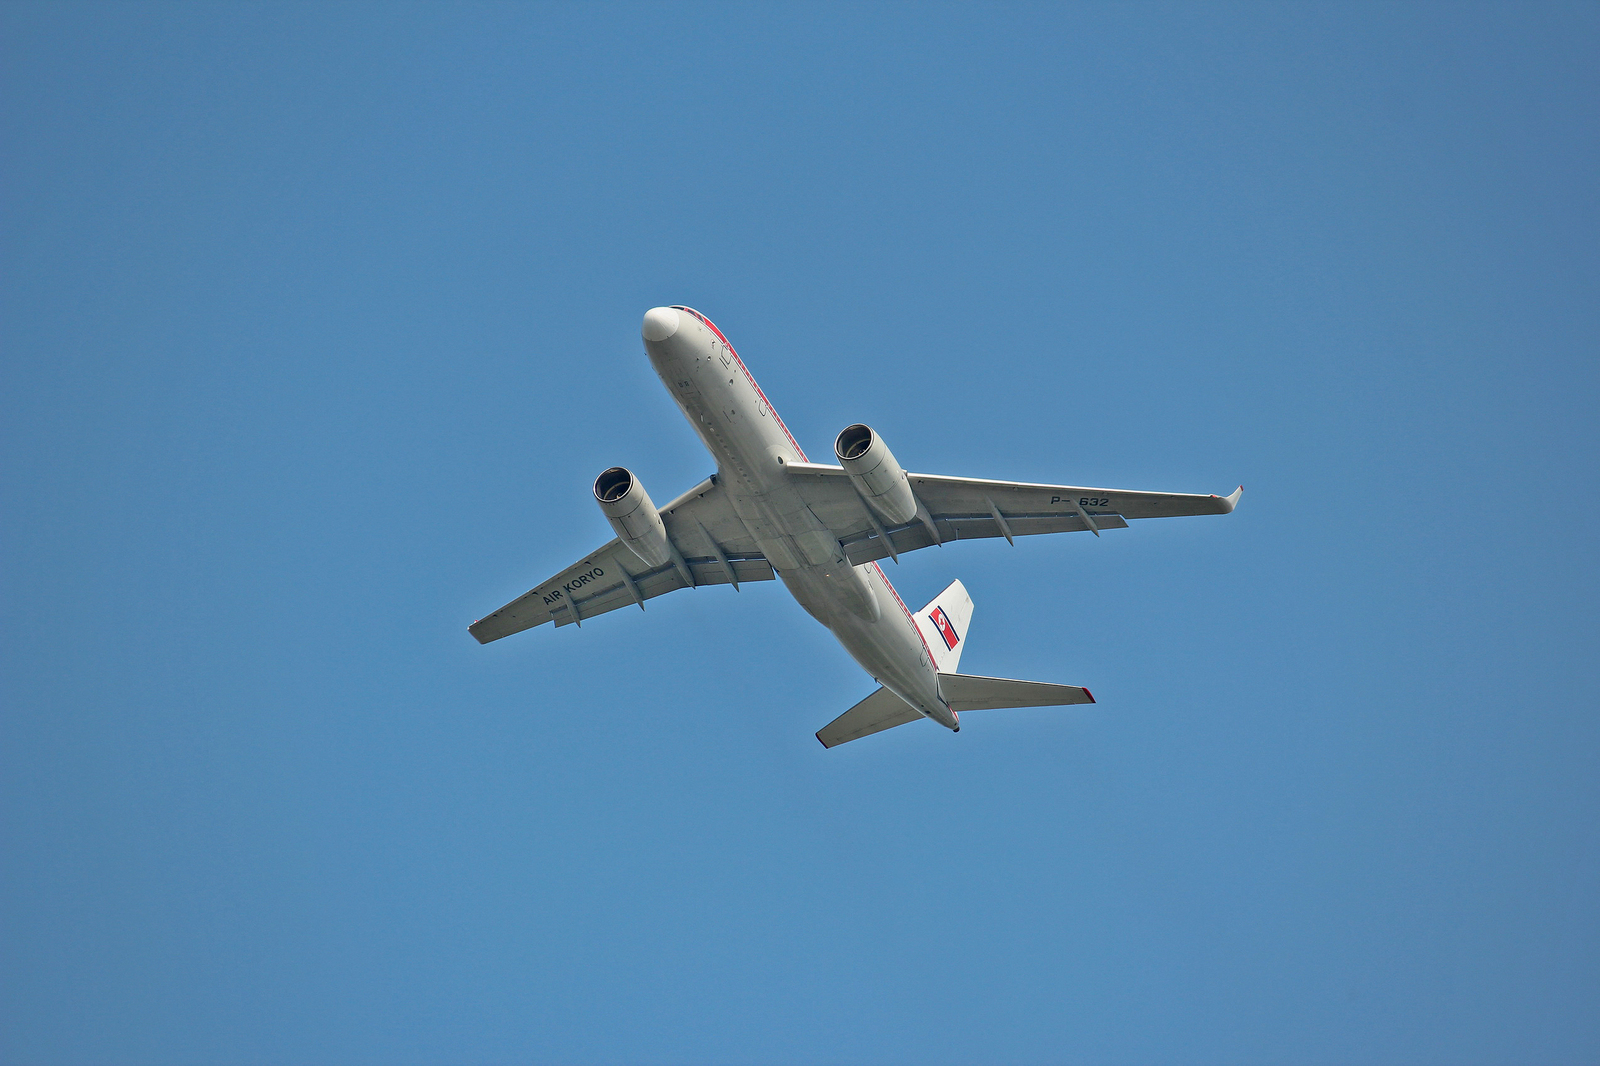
961, 508
712, 542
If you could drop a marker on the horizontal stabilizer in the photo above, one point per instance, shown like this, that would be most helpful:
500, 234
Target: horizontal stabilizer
879, 711
969, 692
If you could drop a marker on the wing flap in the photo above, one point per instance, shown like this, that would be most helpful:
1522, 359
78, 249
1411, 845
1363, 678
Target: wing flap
867, 547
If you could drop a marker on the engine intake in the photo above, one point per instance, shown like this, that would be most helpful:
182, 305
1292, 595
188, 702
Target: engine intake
628, 508
876, 475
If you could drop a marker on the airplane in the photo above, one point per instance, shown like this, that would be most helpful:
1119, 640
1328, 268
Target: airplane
821, 528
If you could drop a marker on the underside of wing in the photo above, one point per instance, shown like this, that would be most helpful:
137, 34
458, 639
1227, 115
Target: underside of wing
957, 508
712, 542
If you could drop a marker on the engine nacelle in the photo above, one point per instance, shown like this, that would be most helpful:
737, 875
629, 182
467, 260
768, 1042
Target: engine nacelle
628, 508
876, 475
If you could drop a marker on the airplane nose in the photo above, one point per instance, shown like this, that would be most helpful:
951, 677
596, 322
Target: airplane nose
660, 323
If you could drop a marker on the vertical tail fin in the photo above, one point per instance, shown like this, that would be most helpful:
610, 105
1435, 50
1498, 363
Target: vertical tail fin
944, 624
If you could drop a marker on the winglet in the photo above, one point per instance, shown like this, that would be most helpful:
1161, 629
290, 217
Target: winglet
1233, 500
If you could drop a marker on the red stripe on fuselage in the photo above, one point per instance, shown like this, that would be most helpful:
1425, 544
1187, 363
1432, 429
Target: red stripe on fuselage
907, 612
748, 377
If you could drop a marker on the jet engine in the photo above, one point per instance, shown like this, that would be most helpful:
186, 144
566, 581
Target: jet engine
628, 508
876, 475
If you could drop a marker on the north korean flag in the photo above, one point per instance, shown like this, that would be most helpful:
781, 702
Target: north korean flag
946, 630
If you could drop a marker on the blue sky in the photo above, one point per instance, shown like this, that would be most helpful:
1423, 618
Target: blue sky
318, 321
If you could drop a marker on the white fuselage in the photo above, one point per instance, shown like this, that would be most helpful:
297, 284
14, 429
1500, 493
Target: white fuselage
751, 446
